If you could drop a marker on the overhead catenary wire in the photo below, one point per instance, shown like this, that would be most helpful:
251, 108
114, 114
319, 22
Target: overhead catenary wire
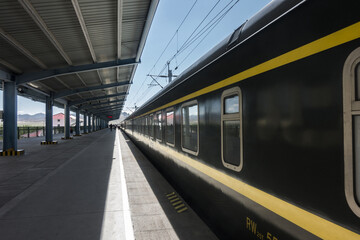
194, 37
213, 26
167, 45
214, 21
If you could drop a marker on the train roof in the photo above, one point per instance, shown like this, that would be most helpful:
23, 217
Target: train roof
268, 14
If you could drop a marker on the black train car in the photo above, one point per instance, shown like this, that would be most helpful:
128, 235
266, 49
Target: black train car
261, 136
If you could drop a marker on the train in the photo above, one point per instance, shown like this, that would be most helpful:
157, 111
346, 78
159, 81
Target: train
261, 135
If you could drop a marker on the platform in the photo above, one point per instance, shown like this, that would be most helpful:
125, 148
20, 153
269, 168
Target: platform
97, 186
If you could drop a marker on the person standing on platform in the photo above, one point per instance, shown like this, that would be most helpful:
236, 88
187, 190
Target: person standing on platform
111, 126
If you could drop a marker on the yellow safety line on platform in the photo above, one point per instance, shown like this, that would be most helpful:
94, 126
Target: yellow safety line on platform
342, 36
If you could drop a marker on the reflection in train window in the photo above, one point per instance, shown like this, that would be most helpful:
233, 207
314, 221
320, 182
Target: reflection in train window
158, 129
231, 129
146, 125
231, 104
189, 127
151, 126
169, 128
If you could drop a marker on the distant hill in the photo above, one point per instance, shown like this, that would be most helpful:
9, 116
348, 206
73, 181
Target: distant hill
39, 117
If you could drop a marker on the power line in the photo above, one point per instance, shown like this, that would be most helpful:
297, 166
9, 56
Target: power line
213, 21
207, 29
212, 28
167, 45
201, 22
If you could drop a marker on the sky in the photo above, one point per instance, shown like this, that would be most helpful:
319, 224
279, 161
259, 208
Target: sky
168, 35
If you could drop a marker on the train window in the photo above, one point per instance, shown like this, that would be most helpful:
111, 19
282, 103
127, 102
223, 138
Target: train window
231, 129
170, 128
151, 126
147, 130
231, 104
145, 125
190, 127
158, 126
351, 108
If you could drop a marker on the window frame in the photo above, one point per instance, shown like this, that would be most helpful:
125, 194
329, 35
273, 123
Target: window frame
231, 117
166, 111
190, 103
351, 108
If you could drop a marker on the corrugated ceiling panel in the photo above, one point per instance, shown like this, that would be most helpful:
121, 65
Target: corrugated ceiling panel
53, 84
101, 21
91, 78
61, 19
72, 81
125, 73
12, 56
108, 75
15, 21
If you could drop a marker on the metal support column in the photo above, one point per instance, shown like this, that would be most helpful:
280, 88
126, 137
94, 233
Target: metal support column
93, 123
10, 116
77, 127
89, 122
67, 122
49, 121
85, 123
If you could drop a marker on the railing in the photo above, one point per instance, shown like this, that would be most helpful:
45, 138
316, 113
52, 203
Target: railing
29, 132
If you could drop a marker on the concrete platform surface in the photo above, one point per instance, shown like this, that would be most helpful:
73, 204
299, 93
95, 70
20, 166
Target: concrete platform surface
97, 186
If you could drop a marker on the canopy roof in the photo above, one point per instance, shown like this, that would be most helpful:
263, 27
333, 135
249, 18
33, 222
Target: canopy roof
80, 52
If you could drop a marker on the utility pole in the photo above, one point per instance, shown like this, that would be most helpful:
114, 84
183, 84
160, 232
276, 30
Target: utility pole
170, 75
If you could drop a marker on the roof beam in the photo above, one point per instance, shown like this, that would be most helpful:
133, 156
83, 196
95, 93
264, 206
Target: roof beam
82, 80
42, 25
30, 77
10, 66
5, 76
96, 98
111, 111
107, 107
87, 89
80, 17
100, 78
21, 49
119, 26
107, 111
102, 103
